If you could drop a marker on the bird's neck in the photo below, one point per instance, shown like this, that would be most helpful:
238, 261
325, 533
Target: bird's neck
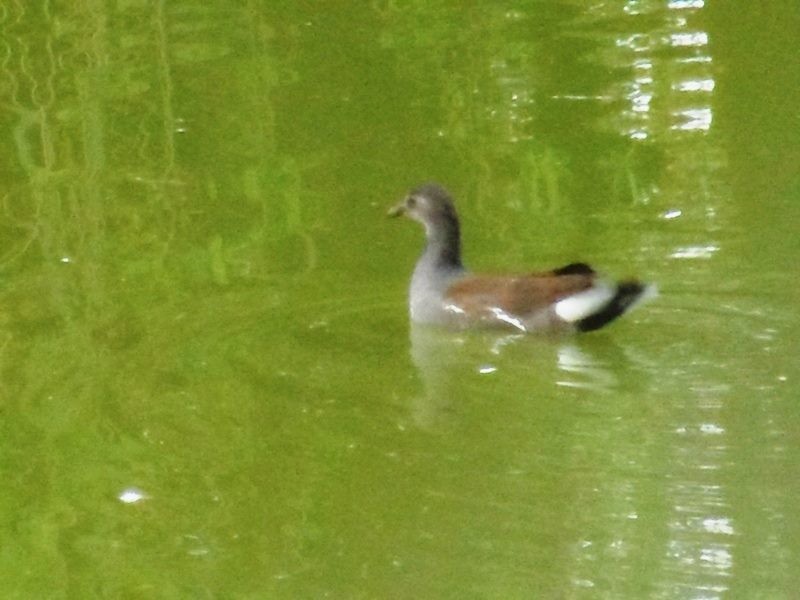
438, 266
443, 248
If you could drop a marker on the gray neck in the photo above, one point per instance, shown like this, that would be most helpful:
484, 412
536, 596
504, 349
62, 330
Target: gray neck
443, 250
440, 261
438, 266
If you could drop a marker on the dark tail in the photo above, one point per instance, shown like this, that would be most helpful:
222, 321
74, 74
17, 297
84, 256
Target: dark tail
628, 294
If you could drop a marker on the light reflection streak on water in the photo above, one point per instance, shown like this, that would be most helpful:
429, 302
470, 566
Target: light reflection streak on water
695, 85
685, 4
693, 38
701, 537
694, 119
694, 252
642, 92
581, 370
700, 551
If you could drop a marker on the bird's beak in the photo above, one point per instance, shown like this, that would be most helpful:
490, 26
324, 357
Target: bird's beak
397, 210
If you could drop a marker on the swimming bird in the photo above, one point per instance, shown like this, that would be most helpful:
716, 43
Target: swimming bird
443, 292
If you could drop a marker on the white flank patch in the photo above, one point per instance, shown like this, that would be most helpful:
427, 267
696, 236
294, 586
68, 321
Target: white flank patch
581, 305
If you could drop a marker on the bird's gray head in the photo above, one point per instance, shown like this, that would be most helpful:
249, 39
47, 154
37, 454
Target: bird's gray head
430, 204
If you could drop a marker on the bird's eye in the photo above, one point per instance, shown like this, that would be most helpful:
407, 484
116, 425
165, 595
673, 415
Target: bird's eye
411, 201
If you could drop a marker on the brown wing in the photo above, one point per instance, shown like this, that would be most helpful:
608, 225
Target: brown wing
516, 295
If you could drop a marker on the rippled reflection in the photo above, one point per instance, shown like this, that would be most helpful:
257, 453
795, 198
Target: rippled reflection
578, 369
446, 362
679, 56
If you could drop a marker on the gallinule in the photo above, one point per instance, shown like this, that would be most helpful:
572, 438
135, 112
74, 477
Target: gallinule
443, 292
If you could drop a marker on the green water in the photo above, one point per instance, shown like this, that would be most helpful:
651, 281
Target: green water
208, 384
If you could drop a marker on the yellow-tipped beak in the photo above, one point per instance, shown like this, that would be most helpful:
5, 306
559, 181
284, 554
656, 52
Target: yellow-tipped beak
397, 210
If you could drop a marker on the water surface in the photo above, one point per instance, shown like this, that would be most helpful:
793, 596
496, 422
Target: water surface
209, 384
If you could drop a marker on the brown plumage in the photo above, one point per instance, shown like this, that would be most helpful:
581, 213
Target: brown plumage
515, 294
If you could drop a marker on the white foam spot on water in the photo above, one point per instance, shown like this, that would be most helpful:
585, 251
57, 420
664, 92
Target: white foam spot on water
132, 496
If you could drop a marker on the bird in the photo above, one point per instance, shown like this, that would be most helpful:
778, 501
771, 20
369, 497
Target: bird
572, 298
